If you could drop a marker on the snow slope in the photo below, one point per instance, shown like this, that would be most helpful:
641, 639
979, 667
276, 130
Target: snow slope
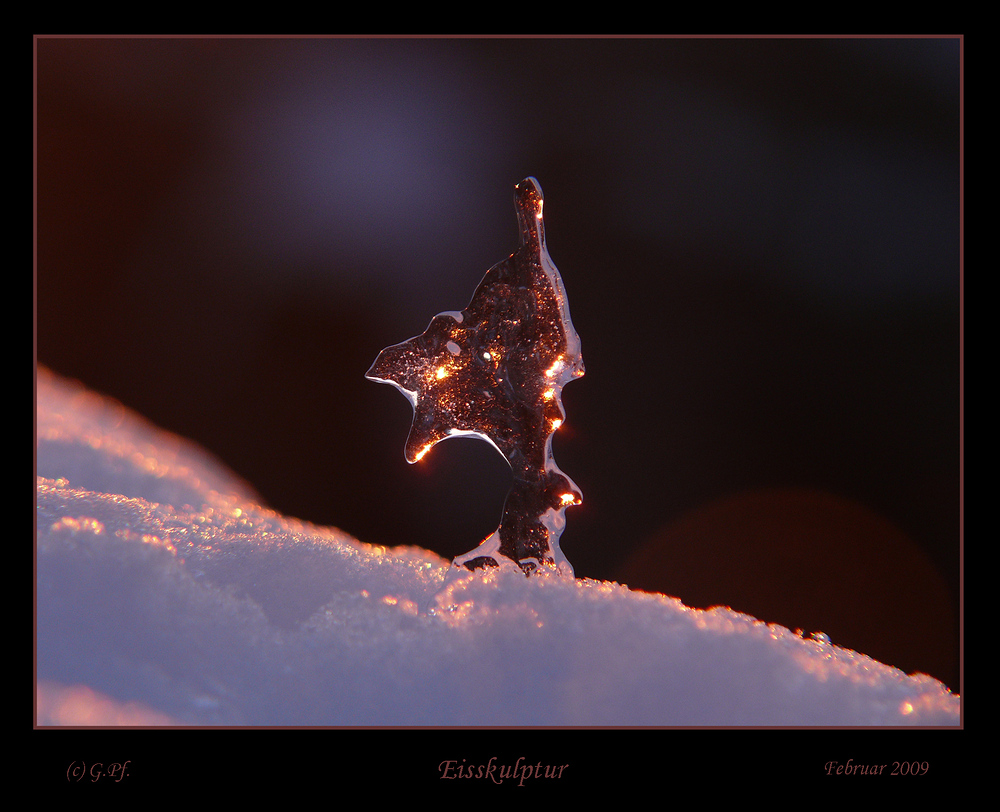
166, 594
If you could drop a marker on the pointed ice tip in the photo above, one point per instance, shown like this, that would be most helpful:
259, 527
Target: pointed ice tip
376, 372
528, 201
531, 182
529, 191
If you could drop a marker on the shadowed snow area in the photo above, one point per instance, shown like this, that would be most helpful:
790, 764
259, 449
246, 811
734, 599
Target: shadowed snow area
167, 594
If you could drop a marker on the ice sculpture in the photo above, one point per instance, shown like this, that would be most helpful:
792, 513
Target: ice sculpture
496, 370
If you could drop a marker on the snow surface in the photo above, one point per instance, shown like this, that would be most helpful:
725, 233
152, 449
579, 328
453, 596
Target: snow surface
167, 594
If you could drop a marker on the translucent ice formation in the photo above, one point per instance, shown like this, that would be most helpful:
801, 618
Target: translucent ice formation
496, 370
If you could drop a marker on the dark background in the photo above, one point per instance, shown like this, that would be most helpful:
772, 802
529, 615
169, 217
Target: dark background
759, 239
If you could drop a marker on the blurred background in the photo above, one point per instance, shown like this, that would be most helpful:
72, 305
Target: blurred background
759, 240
